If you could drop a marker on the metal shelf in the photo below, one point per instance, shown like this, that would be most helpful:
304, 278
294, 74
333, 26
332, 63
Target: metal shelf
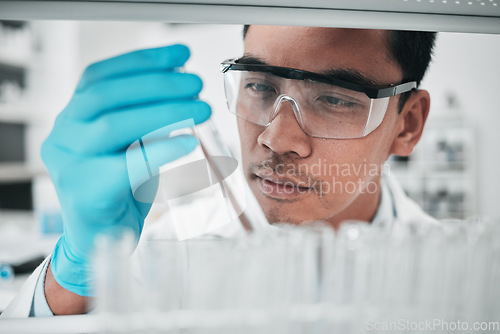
16, 172
18, 113
14, 59
476, 16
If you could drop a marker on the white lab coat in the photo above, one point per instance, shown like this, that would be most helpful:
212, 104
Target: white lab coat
405, 210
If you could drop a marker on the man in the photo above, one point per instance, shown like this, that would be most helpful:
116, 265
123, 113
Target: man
320, 111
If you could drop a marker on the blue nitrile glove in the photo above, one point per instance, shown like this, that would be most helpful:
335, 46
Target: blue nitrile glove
117, 101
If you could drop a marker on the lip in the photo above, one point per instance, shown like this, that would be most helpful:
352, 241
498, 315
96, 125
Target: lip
281, 188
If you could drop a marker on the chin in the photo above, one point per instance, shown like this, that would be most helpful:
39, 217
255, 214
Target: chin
277, 213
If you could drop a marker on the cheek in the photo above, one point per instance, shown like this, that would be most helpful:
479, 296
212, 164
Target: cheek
373, 149
348, 167
249, 134
352, 152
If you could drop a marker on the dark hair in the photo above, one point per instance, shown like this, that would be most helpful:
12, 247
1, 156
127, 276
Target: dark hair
411, 50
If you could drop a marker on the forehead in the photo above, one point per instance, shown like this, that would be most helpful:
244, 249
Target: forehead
319, 49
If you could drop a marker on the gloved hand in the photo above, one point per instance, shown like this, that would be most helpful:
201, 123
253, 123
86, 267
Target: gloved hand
116, 102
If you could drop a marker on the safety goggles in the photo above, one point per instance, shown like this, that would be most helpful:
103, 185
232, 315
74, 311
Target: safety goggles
324, 106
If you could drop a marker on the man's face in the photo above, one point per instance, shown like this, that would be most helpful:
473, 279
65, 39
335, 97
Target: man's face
296, 177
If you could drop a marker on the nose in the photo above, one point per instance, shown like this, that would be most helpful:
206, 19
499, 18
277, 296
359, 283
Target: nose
284, 134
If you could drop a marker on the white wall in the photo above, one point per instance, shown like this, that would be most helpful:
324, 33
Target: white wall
469, 66
51, 79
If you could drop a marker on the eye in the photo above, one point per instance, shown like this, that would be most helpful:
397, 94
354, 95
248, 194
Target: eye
337, 102
259, 88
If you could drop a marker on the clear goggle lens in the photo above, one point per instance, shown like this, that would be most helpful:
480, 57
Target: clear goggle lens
322, 110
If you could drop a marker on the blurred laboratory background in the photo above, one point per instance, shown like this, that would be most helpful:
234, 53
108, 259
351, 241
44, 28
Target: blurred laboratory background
453, 173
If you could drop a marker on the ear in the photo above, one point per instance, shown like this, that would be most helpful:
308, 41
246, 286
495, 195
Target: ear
411, 123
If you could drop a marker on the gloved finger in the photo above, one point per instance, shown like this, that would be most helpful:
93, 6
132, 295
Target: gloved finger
101, 185
163, 58
97, 186
145, 158
89, 183
132, 90
117, 130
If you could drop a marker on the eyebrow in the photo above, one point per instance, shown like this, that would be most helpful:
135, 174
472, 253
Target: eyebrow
344, 74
